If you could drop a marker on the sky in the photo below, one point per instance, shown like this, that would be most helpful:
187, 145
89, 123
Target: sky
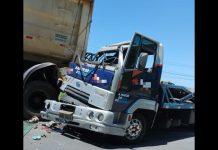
170, 22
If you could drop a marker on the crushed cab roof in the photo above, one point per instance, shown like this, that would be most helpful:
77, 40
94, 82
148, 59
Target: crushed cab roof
114, 46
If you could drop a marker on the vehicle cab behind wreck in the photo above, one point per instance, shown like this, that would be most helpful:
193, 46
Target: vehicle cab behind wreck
116, 92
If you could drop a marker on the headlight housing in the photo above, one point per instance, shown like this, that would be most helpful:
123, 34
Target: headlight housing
91, 115
100, 117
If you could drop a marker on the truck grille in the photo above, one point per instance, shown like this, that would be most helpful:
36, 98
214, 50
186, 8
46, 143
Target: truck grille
77, 94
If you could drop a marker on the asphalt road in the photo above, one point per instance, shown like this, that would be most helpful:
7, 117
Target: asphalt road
179, 139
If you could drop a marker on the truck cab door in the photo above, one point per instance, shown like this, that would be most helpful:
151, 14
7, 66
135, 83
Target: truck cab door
140, 78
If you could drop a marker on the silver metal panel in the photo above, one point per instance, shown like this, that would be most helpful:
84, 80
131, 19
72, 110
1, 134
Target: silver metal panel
142, 104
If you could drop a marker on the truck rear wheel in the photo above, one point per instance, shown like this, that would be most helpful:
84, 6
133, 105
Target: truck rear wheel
136, 130
35, 93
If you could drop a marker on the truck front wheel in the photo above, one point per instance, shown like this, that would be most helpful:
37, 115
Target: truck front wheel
136, 130
35, 93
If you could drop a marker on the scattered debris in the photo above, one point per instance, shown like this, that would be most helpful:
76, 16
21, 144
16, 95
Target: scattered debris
43, 124
50, 124
58, 130
36, 137
35, 127
45, 128
43, 135
48, 131
34, 119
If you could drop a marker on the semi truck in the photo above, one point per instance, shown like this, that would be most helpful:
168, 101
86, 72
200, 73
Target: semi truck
54, 31
118, 92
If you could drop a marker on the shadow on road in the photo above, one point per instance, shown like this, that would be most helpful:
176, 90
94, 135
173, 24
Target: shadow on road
154, 138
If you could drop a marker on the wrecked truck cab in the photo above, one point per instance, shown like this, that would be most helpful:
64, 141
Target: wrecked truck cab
114, 92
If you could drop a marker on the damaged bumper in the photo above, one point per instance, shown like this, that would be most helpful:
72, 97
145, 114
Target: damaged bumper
83, 117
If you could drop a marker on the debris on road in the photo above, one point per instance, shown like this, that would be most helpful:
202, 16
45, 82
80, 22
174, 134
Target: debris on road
36, 137
45, 128
48, 131
43, 135
50, 124
36, 127
34, 119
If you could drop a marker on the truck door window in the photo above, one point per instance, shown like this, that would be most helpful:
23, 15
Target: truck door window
150, 61
147, 55
134, 52
150, 48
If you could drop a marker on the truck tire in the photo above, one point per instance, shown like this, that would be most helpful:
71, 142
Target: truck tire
137, 129
35, 93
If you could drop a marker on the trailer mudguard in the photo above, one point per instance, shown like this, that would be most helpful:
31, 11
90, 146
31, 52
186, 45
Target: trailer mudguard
53, 70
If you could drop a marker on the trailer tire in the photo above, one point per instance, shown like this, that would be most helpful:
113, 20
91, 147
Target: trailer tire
35, 93
139, 123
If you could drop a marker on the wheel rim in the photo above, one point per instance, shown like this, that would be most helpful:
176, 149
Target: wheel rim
36, 100
134, 130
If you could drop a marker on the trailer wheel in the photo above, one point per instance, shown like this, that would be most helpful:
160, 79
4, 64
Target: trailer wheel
35, 93
136, 130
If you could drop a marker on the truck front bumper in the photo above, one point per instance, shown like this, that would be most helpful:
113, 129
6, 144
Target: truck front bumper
84, 117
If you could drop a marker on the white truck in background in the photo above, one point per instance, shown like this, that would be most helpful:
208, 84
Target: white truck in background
54, 31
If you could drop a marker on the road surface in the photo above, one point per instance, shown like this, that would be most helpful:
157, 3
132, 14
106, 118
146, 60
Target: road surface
179, 139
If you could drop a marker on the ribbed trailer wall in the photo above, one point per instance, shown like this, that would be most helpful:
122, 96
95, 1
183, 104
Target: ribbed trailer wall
55, 29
